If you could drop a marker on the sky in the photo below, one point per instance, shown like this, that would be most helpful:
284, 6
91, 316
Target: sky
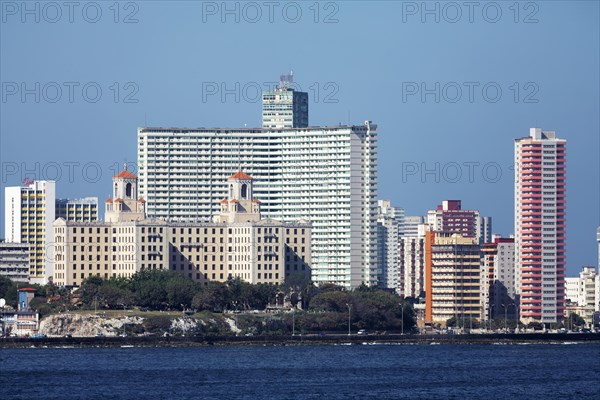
450, 85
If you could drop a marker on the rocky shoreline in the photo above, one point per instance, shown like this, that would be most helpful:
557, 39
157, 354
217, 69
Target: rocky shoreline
182, 341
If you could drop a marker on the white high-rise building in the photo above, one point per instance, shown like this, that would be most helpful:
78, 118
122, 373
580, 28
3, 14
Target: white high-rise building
389, 226
326, 175
285, 107
28, 218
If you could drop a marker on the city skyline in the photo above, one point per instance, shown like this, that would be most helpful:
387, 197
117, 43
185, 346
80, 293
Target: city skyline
414, 135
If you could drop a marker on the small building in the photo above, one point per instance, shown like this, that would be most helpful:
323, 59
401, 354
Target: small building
85, 209
14, 261
23, 321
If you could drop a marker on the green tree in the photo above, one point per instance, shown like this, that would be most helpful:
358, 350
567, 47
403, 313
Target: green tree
214, 297
8, 291
331, 300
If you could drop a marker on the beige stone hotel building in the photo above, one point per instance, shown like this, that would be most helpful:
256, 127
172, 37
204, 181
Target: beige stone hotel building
237, 243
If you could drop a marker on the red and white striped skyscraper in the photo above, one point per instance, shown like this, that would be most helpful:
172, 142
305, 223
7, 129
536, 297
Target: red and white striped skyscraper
540, 238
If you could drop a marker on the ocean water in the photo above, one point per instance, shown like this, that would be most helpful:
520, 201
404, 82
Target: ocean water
532, 371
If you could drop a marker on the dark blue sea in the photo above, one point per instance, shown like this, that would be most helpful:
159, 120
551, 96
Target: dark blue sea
533, 371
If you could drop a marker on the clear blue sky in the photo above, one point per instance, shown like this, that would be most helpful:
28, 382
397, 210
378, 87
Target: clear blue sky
367, 65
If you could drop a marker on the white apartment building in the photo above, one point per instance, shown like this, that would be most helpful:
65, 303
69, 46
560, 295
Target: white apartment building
389, 226
325, 175
584, 291
28, 217
411, 225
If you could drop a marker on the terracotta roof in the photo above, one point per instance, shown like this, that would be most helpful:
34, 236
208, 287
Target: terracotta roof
224, 201
119, 200
240, 175
234, 201
109, 200
27, 289
141, 200
256, 201
125, 175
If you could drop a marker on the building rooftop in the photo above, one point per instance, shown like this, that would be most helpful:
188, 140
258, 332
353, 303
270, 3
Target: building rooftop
240, 175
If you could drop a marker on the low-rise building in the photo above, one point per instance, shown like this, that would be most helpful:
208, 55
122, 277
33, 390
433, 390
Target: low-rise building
85, 209
237, 243
583, 294
14, 261
23, 321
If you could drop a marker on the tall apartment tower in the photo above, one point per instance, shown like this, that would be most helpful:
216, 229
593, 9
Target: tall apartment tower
285, 107
326, 175
28, 217
540, 209
389, 226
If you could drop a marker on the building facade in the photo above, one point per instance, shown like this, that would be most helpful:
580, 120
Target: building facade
453, 277
14, 261
85, 209
326, 175
238, 243
411, 225
284, 107
499, 285
28, 215
540, 225
412, 265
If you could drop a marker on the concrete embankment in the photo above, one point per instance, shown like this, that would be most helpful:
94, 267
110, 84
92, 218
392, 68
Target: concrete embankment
532, 338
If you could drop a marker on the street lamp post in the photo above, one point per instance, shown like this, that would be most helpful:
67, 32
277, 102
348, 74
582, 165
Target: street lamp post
516, 313
293, 321
491, 313
402, 318
505, 317
349, 307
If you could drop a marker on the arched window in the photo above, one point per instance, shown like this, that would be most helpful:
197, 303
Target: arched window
231, 191
244, 190
128, 190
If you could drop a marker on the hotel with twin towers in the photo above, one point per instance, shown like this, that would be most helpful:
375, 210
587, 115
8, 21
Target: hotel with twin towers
324, 174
